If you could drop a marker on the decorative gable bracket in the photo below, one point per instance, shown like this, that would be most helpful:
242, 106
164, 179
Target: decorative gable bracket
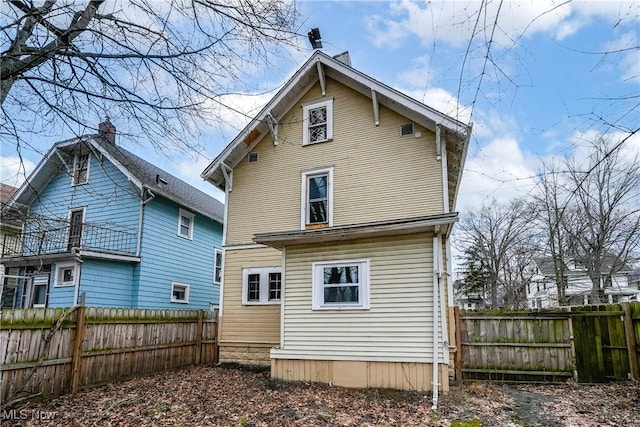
323, 87
376, 107
64, 162
273, 127
228, 175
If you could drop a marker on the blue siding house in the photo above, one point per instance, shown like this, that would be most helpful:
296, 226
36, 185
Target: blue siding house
103, 222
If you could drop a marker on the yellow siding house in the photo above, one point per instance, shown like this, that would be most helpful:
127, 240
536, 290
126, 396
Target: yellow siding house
340, 199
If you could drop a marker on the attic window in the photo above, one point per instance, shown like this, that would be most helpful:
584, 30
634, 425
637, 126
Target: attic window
81, 169
253, 157
406, 129
318, 122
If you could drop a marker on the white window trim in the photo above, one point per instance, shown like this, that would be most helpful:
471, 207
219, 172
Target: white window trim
191, 216
304, 199
33, 289
217, 251
318, 285
264, 290
75, 165
328, 103
186, 293
63, 266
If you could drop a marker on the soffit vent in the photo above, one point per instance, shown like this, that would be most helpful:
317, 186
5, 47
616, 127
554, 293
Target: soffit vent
406, 129
253, 157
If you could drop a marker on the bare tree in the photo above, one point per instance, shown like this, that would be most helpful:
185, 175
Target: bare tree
156, 67
605, 227
552, 203
499, 238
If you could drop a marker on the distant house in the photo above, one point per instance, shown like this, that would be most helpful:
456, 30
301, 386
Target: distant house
10, 223
340, 198
103, 222
468, 299
542, 292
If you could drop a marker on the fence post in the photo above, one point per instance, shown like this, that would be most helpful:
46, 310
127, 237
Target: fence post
457, 357
199, 331
631, 342
77, 348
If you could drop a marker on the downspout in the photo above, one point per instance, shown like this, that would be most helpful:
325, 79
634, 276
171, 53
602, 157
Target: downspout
76, 291
436, 310
228, 181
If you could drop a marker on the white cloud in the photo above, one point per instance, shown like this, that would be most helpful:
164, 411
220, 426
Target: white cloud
500, 170
13, 170
454, 22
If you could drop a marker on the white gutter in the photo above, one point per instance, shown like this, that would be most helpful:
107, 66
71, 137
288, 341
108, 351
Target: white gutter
436, 309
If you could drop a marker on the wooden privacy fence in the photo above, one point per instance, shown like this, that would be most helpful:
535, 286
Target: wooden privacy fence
590, 344
47, 352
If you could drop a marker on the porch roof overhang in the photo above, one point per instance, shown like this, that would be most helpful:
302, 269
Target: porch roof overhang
34, 260
431, 223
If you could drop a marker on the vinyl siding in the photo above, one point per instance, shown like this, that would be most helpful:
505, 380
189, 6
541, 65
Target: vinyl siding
167, 258
107, 283
258, 324
398, 326
59, 296
378, 174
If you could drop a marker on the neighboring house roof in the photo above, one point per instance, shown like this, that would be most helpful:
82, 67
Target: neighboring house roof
6, 191
141, 173
547, 268
319, 65
8, 217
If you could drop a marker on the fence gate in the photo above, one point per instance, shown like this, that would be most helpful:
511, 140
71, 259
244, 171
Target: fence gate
515, 346
600, 343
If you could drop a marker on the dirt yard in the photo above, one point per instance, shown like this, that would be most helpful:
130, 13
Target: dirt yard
216, 396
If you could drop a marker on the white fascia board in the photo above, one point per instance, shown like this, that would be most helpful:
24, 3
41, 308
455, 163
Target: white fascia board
261, 117
117, 164
399, 97
463, 159
30, 185
310, 66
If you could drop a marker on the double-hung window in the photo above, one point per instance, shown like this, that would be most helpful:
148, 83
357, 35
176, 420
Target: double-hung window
261, 285
317, 198
185, 224
217, 267
81, 169
318, 122
341, 285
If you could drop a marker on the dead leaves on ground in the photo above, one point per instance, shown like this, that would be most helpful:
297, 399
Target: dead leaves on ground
216, 396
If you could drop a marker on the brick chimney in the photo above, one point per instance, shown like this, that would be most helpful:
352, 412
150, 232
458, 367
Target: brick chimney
107, 130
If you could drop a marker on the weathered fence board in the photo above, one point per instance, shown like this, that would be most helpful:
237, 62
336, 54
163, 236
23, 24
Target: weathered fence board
51, 351
600, 336
590, 343
516, 346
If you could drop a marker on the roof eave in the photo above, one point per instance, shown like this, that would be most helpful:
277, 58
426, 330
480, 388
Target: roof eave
350, 77
158, 192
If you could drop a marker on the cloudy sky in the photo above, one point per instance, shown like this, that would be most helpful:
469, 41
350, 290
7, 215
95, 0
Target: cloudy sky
538, 80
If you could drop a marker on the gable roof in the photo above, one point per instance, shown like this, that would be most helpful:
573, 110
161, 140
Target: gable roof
547, 267
140, 172
8, 217
456, 133
6, 191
